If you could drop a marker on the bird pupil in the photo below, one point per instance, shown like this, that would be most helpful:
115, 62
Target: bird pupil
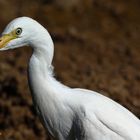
18, 31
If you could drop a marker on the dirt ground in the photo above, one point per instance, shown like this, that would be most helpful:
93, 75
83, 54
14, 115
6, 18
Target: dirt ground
97, 46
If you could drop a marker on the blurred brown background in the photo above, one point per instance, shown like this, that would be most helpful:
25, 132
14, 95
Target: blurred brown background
97, 46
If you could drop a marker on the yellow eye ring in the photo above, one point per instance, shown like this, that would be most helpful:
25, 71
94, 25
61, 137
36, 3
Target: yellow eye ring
18, 31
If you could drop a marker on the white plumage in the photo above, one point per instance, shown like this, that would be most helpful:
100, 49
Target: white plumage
67, 113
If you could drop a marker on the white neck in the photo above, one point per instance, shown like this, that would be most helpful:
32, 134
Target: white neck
40, 65
47, 93
40, 68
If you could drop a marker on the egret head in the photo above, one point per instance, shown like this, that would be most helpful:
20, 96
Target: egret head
20, 32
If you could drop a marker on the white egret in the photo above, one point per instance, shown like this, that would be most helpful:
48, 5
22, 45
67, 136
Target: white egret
67, 113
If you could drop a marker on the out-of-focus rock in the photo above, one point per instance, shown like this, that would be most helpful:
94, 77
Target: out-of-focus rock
67, 4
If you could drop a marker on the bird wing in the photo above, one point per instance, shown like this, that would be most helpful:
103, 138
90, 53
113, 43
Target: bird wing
119, 122
110, 115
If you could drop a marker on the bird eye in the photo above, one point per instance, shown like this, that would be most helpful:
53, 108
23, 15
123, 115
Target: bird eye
18, 31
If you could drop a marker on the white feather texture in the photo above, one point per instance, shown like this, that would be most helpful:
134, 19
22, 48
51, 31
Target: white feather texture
67, 113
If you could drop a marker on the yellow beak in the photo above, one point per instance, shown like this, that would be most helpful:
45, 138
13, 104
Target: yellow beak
5, 39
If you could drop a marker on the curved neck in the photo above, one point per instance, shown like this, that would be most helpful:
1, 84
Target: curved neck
48, 94
40, 67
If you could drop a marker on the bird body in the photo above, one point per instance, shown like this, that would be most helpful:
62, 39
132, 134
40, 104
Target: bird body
68, 113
